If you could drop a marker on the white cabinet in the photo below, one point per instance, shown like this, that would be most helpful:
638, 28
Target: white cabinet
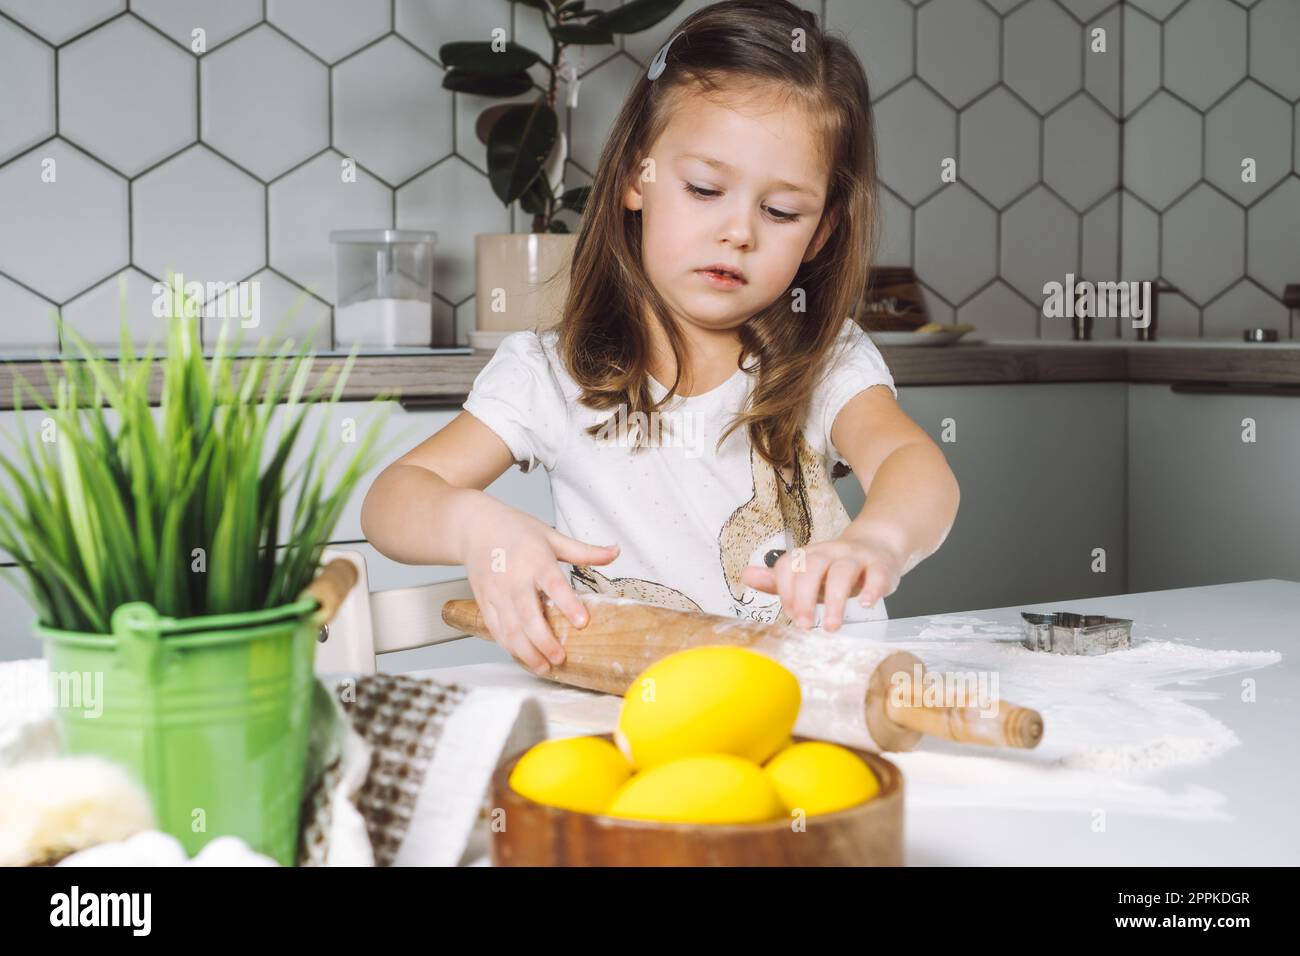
1206, 506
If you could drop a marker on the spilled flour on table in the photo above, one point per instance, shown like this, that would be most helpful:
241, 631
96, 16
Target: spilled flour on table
1109, 722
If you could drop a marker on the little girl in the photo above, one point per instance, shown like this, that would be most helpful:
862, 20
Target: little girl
704, 383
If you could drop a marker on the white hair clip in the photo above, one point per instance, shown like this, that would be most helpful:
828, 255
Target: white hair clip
660, 62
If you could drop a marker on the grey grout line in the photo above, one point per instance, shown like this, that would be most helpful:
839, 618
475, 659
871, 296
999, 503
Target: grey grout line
57, 110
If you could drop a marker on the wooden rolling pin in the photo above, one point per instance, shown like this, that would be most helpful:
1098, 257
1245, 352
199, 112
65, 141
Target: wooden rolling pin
848, 683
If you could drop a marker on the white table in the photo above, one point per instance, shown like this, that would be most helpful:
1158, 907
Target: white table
970, 805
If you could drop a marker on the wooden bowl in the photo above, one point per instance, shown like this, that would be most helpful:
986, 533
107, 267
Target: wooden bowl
869, 834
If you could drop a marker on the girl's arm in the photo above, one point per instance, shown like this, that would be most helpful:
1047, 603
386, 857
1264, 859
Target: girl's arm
429, 507
912, 494
420, 508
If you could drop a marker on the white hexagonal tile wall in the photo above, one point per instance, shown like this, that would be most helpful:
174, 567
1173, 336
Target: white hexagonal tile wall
957, 49
454, 200
127, 63
1100, 256
1162, 150
74, 229
29, 325
1274, 26
999, 147
430, 23
1085, 10
1141, 54
265, 102
27, 64
1042, 50
331, 28
1202, 261
96, 314
1040, 243
1198, 27
1081, 152
200, 216
61, 21
278, 301
1102, 69
1250, 122
1273, 226
915, 132
218, 21
998, 312
1156, 8
602, 93
1140, 242
880, 33
895, 248
956, 242
1245, 306
311, 201
376, 93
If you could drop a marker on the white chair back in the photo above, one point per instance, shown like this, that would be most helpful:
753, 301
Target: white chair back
369, 623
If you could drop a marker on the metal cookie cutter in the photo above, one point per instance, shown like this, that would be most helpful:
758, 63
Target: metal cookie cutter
1064, 632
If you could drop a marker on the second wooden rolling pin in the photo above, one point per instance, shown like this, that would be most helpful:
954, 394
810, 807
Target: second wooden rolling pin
856, 691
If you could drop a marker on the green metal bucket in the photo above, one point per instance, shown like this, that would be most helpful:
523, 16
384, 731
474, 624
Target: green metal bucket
212, 715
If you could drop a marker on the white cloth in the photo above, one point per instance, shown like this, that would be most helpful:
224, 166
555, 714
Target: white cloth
688, 518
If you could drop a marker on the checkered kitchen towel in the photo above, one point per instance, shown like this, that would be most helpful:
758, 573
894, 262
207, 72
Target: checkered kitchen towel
400, 767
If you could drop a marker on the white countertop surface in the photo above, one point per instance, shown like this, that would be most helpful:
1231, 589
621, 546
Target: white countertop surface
1150, 757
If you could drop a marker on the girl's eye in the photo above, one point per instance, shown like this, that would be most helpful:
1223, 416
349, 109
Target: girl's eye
705, 193
695, 190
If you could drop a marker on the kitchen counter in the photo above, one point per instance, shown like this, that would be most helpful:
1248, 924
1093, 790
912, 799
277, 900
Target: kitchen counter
1217, 662
425, 377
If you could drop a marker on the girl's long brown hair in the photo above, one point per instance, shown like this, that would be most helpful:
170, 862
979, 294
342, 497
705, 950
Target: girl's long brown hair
602, 340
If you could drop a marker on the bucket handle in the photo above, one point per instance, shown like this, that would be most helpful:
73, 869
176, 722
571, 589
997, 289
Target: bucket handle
329, 588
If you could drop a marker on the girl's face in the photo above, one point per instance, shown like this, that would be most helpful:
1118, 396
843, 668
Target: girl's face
739, 186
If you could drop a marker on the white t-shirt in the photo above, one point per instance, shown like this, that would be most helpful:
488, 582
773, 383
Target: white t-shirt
688, 519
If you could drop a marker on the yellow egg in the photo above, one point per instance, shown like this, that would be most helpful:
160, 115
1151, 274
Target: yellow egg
575, 773
713, 699
818, 777
706, 788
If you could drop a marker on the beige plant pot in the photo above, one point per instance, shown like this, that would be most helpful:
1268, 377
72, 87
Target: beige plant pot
521, 279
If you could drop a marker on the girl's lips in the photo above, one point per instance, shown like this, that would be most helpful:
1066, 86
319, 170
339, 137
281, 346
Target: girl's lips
719, 280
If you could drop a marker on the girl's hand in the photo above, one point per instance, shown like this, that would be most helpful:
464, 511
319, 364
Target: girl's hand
508, 556
843, 566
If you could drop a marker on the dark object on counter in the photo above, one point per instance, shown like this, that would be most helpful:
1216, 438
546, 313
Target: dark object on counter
1065, 632
893, 301
1158, 286
1259, 335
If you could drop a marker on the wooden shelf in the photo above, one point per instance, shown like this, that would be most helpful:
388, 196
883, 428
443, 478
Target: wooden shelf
441, 380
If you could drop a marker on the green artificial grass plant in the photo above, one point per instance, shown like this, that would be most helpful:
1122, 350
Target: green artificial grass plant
96, 518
